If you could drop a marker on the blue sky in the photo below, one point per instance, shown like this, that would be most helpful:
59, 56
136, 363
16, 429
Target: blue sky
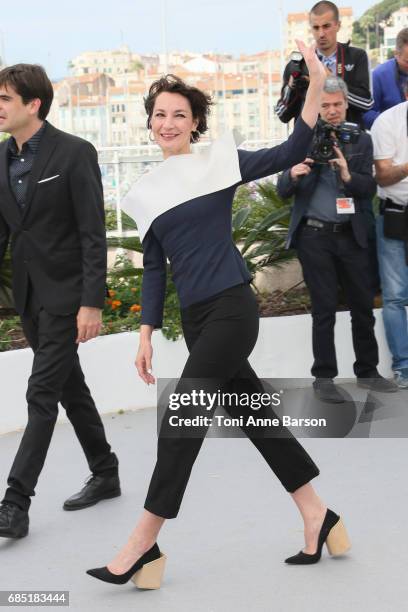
51, 32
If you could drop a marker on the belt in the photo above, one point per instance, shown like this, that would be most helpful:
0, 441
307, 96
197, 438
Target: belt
327, 226
389, 204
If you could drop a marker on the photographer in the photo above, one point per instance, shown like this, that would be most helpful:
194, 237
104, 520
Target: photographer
329, 231
389, 80
390, 138
339, 59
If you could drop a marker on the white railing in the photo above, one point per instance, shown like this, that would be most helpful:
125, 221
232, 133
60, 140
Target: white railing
122, 166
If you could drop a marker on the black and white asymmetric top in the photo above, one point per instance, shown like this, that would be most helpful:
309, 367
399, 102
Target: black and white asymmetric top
183, 213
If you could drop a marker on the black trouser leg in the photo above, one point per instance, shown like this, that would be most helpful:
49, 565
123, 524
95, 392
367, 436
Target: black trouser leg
220, 335
354, 267
87, 423
276, 445
55, 353
316, 254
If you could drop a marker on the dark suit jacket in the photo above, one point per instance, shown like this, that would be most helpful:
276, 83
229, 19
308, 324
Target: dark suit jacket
59, 241
362, 188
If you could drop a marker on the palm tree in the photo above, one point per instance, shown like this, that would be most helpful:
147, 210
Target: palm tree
260, 225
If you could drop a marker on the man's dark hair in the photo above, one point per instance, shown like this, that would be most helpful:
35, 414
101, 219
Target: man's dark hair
200, 102
402, 39
30, 81
322, 7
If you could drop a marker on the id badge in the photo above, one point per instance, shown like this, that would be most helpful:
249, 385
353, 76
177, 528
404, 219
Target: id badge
345, 206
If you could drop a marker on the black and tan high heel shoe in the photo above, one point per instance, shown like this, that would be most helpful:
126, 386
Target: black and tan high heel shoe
333, 533
146, 573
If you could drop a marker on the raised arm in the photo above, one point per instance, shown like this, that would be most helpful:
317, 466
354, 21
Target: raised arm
317, 75
258, 164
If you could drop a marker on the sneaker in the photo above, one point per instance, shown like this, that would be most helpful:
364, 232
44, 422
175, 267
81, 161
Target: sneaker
401, 378
376, 382
326, 390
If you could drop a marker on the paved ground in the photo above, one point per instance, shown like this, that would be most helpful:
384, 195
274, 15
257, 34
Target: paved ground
226, 549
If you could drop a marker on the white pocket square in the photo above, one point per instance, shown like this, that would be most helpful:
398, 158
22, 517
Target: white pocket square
50, 178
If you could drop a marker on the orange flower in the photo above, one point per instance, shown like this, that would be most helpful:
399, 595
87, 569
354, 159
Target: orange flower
108, 301
115, 304
135, 308
112, 293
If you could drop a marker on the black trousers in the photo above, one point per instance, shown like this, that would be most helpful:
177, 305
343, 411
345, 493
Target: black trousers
56, 377
220, 334
329, 259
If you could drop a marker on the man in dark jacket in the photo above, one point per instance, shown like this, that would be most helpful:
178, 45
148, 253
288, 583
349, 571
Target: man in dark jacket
389, 80
329, 231
340, 59
52, 211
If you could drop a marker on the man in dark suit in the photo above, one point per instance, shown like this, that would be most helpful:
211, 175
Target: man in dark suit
330, 232
51, 209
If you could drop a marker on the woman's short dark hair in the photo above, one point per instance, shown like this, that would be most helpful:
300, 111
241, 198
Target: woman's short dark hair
200, 102
30, 81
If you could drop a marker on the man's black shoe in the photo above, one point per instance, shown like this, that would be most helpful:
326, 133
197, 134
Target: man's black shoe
13, 521
377, 383
326, 390
96, 488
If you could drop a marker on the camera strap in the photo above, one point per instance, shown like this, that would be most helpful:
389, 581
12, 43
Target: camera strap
340, 67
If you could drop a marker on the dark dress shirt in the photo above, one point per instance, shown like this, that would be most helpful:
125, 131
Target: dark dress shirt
20, 164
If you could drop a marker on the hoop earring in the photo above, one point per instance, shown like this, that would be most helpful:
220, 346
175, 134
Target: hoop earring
150, 136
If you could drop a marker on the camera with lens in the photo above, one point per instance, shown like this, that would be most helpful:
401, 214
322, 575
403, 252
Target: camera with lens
327, 136
298, 70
